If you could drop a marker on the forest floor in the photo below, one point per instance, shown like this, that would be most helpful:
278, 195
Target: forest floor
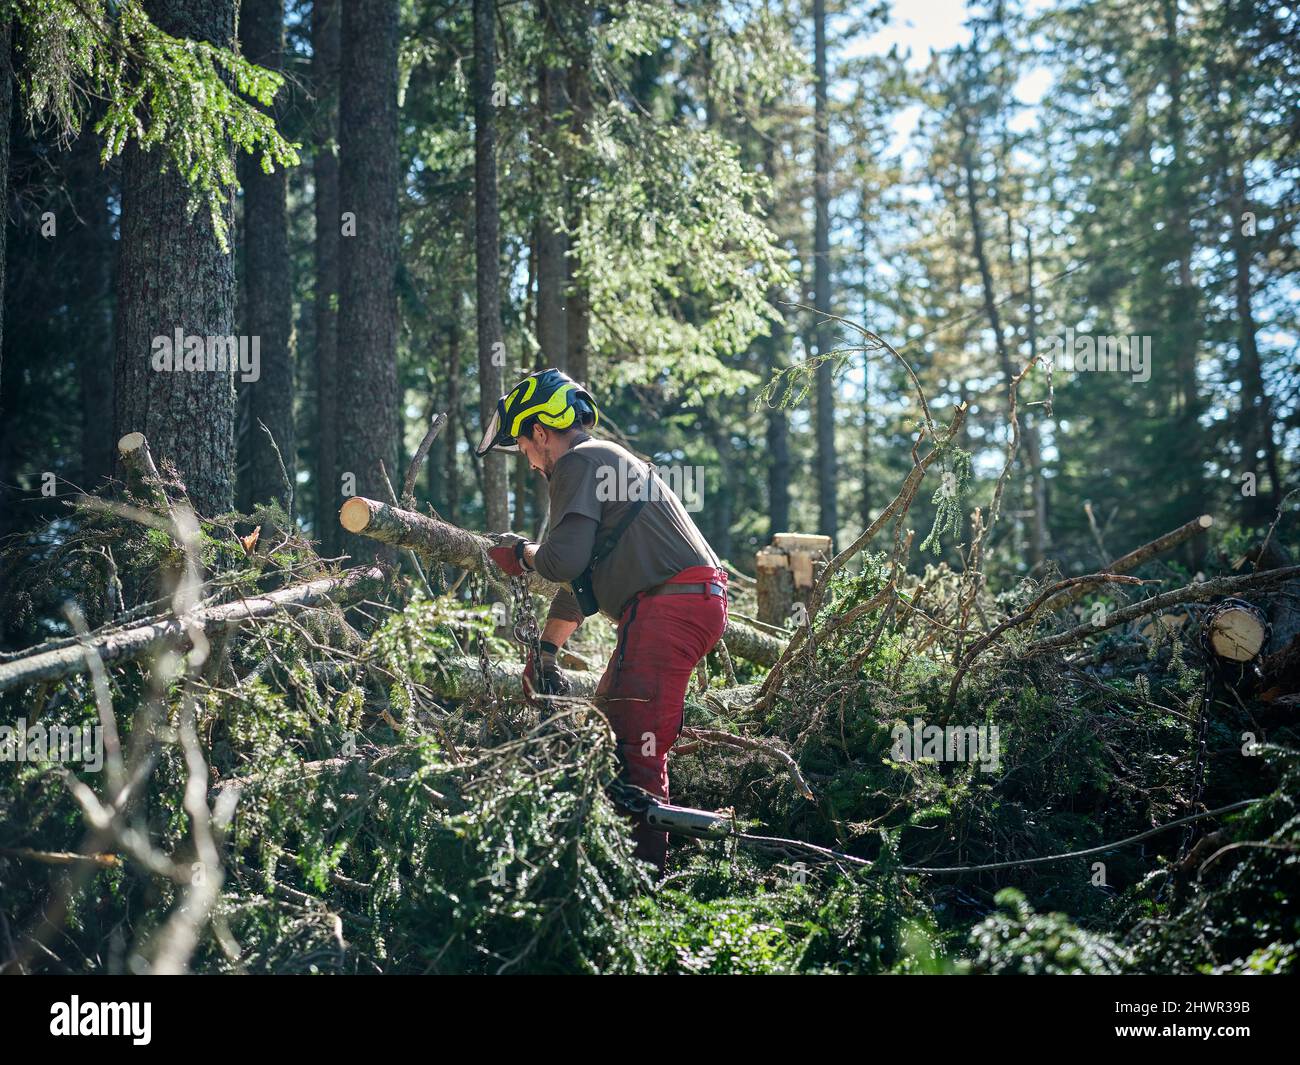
315, 767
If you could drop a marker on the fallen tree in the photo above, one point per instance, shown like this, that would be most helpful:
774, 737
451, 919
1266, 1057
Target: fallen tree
450, 544
124, 645
1129, 562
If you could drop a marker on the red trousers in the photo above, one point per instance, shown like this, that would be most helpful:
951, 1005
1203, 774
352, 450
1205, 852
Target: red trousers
661, 638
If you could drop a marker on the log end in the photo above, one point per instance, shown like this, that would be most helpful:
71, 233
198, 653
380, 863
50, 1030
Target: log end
129, 443
1237, 635
354, 515
1205, 521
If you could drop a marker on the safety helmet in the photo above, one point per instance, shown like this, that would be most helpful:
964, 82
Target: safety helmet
548, 396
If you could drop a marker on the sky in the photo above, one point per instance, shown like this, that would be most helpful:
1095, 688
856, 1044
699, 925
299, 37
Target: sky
918, 27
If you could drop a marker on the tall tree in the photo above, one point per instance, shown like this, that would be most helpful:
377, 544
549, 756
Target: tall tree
174, 274
368, 398
487, 250
267, 299
325, 39
91, 304
552, 245
6, 108
828, 511
578, 305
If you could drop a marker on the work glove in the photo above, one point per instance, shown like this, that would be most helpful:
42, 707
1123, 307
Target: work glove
549, 680
509, 554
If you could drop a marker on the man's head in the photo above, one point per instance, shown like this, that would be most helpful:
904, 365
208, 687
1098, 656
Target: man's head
542, 447
540, 416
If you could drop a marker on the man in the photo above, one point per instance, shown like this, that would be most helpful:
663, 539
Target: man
624, 543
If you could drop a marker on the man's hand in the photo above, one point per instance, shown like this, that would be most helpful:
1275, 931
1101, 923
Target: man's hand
548, 680
509, 554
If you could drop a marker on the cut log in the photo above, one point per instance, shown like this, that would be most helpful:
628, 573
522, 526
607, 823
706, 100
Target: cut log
1135, 558
443, 542
124, 645
1236, 632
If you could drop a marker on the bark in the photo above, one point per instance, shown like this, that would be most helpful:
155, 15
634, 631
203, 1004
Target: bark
452, 545
267, 302
454, 413
129, 644
1257, 431
6, 110
552, 244
368, 178
1183, 313
325, 37
487, 250
578, 327
1033, 445
828, 514
92, 306
173, 275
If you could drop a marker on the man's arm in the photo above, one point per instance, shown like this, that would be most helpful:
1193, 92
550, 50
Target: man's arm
567, 549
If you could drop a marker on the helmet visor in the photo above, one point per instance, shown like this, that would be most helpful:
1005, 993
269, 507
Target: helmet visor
493, 438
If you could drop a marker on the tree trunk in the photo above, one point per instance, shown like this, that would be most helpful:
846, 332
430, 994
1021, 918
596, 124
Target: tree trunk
1182, 313
552, 245
91, 304
578, 327
368, 177
174, 276
453, 413
325, 39
267, 299
1034, 448
487, 249
6, 109
1257, 432
828, 519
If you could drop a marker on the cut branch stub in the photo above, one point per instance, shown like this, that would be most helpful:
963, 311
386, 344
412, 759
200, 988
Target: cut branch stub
142, 477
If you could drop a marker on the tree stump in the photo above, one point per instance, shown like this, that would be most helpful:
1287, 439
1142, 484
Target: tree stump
785, 573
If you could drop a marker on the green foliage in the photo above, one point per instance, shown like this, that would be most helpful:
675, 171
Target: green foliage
186, 98
1018, 941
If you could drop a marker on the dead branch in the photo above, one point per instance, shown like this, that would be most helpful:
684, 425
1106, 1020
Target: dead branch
132, 643
1191, 593
1135, 558
744, 743
1025, 615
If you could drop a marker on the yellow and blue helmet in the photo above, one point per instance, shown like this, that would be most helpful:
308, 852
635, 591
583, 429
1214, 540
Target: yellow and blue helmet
550, 397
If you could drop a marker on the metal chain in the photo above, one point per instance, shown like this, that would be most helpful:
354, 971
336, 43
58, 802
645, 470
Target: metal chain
526, 630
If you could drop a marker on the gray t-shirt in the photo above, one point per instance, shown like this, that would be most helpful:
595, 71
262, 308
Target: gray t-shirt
591, 489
